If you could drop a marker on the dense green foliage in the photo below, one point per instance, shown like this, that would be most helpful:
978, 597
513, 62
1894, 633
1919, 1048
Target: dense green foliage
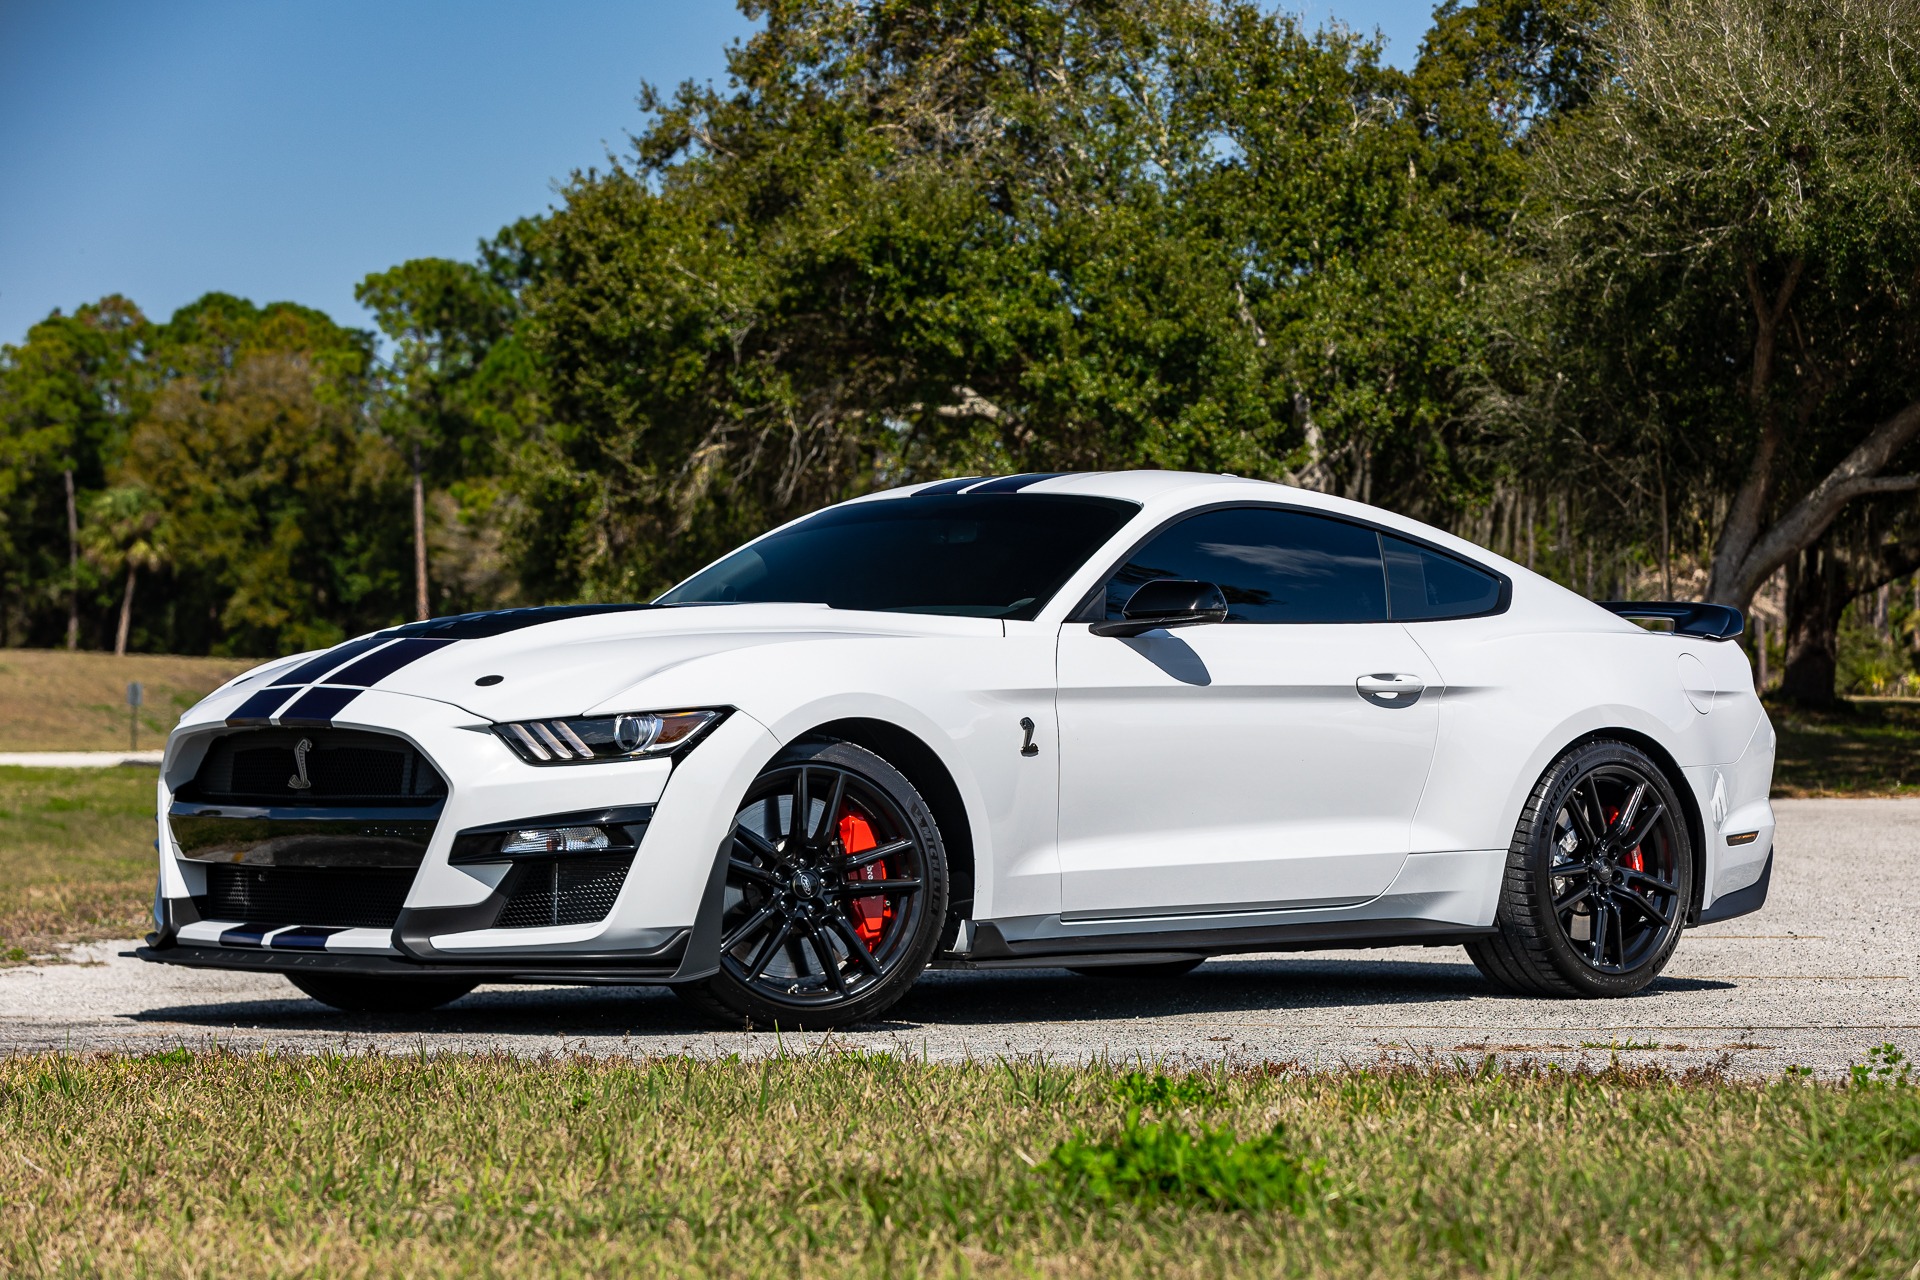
1611, 287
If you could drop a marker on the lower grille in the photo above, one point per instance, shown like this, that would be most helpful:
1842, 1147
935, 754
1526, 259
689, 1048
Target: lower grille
356, 897
564, 891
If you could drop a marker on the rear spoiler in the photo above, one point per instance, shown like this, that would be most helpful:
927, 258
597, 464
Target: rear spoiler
1706, 621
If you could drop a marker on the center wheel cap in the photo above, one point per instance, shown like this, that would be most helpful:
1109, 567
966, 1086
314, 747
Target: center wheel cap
806, 884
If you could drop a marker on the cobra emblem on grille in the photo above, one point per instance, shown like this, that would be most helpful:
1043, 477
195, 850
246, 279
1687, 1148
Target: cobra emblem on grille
299, 780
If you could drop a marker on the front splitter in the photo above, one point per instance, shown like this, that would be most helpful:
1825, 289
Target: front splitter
652, 970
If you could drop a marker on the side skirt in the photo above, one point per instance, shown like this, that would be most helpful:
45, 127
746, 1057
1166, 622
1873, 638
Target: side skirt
992, 950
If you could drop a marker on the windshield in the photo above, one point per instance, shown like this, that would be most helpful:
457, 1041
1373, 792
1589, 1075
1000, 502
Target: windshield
969, 555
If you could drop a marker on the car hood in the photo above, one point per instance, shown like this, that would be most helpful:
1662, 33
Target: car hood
576, 665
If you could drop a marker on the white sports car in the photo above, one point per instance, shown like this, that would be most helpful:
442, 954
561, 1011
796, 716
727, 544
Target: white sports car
1116, 723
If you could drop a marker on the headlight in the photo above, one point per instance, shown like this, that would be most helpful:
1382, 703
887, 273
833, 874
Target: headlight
576, 740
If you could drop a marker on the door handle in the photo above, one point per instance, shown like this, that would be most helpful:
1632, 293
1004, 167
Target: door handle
1385, 689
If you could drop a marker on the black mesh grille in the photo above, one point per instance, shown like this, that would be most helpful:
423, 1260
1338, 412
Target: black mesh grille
564, 891
367, 898
341, 766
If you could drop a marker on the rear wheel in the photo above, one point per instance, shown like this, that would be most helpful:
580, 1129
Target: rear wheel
352, 993
836, 892
1597, 882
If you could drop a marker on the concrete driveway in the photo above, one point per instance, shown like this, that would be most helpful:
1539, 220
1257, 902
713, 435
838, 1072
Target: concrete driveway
1830, 968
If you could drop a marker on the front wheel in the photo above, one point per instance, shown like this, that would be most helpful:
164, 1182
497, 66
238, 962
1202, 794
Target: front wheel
1598, 879
836, 892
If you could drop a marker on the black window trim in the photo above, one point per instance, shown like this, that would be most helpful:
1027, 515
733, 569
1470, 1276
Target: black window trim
1092, 607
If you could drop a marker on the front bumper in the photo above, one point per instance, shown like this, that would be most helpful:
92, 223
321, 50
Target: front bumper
447, 924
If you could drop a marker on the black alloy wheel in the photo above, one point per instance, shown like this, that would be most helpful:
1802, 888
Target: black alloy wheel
836, 891
1598, 880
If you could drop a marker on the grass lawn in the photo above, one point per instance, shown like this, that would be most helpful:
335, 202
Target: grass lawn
76, 857
52, 700
228, 1165
1869, 746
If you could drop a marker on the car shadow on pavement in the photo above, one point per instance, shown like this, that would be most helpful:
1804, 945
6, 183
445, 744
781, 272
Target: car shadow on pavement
941, 998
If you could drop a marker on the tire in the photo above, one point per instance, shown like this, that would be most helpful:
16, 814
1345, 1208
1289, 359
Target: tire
1598, 879
355, 994
828, 921
1158, 971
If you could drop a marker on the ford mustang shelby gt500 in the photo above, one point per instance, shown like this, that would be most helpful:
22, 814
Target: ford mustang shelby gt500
1116, 723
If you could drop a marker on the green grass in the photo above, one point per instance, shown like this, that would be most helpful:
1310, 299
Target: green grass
53, 700
76, 857
196, 1165
1865, 747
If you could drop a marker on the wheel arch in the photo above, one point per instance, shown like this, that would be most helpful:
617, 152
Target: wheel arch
923, 767
1677, 779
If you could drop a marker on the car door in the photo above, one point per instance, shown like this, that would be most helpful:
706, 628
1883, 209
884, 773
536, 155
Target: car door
1271, 761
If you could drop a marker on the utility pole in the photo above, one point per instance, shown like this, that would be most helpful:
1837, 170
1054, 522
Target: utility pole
419, 539
73, 565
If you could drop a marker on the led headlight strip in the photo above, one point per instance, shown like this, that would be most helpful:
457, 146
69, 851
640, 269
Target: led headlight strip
580, 739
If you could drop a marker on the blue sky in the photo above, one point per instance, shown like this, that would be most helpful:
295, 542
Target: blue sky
284, 150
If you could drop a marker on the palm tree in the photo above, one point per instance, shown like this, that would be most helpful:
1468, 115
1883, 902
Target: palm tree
125, 529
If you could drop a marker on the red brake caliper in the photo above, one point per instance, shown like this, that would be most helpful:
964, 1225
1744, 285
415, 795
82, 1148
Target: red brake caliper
870, 915
1633, 860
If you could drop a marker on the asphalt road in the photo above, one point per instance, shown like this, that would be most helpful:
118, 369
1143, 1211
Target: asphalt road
1829, 969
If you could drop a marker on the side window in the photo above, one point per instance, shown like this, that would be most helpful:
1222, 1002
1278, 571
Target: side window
1273, 566
1427, 585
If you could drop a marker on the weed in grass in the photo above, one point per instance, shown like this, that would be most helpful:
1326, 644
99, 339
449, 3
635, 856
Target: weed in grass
1885, 1067
1165, 1160
1159, 1090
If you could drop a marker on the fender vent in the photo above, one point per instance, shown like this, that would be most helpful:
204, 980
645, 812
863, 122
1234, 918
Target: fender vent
563, 891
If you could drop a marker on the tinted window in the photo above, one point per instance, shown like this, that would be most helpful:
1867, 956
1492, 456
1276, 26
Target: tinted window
972, 555
1273, 566
1426, 584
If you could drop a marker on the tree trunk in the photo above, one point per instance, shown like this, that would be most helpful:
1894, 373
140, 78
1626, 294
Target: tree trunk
73, 565
126, 614
419, 541
1817, 595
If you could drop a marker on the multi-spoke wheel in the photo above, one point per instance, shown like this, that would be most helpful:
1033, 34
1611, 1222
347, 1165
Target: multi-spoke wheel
1598, 879
836, 892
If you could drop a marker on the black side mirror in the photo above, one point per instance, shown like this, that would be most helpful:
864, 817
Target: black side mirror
1166, 602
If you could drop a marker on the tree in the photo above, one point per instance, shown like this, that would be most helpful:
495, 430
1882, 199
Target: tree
918, 239
445, 319
1871, 544
1726, 253
280, 496
66, 396
125, 531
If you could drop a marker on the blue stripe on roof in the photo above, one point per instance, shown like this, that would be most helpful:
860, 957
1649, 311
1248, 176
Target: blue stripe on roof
949, 486
1013, 484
